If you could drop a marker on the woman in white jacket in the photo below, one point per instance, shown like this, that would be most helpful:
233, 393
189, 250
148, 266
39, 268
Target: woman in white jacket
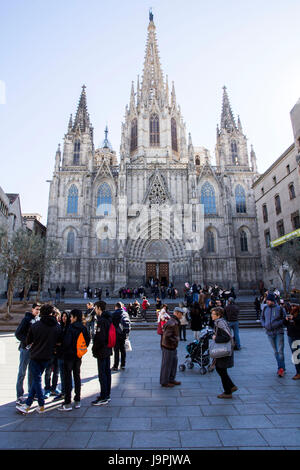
183, 322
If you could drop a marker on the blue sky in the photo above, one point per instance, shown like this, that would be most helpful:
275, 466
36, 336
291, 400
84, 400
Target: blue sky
48, 49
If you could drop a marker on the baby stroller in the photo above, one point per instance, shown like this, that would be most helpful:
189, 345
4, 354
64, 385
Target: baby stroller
198, 352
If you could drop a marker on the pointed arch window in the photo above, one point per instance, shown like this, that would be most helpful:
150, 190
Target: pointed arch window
174, 135
154, 130
70, 242
208, 199
133, 137
211, 248
234, 152
240, 199
104, 200
243, 241
72, 200
76, 155
197, 161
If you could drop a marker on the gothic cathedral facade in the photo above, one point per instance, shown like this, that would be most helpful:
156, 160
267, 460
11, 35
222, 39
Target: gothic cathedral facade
95, 202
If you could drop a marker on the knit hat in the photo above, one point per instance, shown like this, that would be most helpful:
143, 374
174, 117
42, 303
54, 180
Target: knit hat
271, 297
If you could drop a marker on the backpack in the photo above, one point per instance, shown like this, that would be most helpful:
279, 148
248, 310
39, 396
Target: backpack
112, 337
81, 346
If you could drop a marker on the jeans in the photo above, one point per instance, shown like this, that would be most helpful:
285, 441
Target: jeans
234, 325
91, 328
120, 349
60, 363
226, 380
182, 331
277, 343
24, 363
293, 349
104, 375
195, 296
52, 368
72, 366
37, 368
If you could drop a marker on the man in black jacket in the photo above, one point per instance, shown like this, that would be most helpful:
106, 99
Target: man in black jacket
42, 338
122, 324
21, 334
232, 316
102, 352
72, 362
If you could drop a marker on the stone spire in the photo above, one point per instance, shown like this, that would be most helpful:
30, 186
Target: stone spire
240, 128
253, 160
70, 125
82, 119
227, 118
173, 96
152, 81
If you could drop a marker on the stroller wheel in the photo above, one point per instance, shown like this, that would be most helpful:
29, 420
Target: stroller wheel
190, 365
182, 367
203, 370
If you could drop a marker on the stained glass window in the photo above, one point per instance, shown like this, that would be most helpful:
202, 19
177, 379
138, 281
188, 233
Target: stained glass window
72, 200
104, 200
208, 198
76, 156
240, 199
154, 130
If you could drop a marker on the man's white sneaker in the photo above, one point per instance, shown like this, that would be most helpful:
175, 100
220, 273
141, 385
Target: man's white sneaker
23, 408
77, 404
65, 408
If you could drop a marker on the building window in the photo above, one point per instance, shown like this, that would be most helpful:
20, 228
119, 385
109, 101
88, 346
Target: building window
70, 242
234, 153
243, 241
288, 169
104, 200
262, 191
133, 140
208, 199
210, 242
274, 180
76, 155
295, 220
73, 200
154, 130
280, 228
277, 204
292, 191
267, 238
265, 213
174, 134
240, 199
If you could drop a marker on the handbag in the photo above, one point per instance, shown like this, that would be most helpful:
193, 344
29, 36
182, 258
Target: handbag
218, 350
128, 346
160, 327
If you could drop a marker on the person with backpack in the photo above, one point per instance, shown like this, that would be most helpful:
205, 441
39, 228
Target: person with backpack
74, 346
42, 338
21, 334
122, 324
272, 319
104, 341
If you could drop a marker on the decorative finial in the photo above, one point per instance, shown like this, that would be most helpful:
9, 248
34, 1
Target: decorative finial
150, 15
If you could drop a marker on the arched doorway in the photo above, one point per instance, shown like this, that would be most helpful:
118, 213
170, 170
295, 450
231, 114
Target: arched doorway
157, 260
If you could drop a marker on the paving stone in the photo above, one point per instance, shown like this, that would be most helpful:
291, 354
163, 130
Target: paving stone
200, 439
253, 409
130, 424
288, 408
249, 421
104, 411
192, 401
209, 422
23, 439
9, 424
156, 439
219, 410
285, 420
68, 440
155, 401
143, 411
90, 424
170, 423
242, 437
134, 393
187, 410
43, 423
281, 437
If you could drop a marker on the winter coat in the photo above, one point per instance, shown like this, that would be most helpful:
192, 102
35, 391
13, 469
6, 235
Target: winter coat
23, 328
170, 336
121, 320
100, 349
232, 312
43, 337
69, 343
223, 335
293, 327
184, 320
196, 319
272, 319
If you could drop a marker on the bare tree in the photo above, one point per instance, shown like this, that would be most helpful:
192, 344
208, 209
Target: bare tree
285, 258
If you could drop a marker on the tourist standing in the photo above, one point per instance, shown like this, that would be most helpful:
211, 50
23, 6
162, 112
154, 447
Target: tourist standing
196, 319
223, 335
121, 321
272, 317
24, 359
90, 319
169, 344
102, 352
292, 322
232, 317
183, 323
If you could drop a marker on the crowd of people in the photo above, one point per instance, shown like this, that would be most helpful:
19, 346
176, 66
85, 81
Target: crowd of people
53, 342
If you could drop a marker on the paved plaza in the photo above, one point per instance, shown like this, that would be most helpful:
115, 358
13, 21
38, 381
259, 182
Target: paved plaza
263, 414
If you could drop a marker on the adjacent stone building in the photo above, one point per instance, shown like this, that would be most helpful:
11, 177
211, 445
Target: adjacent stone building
96, 202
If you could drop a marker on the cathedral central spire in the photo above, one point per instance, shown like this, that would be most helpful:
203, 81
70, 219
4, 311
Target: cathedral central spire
82, 119
227, 118
152, 81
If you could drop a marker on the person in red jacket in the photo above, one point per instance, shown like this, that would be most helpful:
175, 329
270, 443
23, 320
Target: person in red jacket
145, 306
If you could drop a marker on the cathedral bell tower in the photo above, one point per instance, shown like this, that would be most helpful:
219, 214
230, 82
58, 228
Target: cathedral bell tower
153, 126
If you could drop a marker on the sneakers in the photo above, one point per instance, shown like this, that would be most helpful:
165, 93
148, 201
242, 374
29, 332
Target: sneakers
100, 401
47, 394
24, 409
234, 389
280, 372
77, 404
41, 409
123, 367
55, 393
65, 407
21, 401
225, 395
58, 397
